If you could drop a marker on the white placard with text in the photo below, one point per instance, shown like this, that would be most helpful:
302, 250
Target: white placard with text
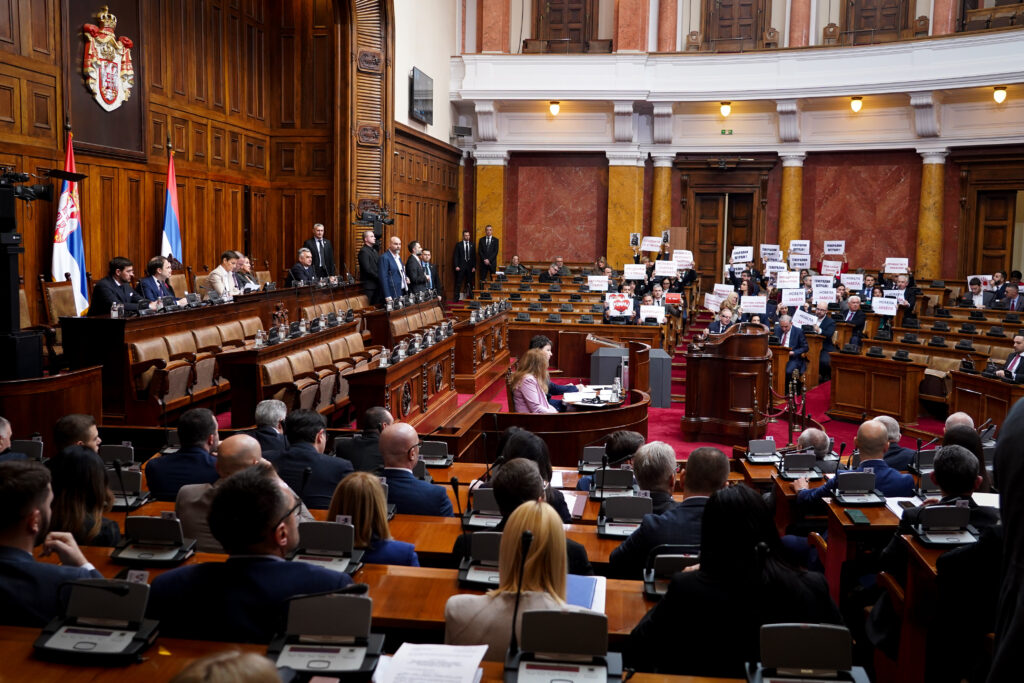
635, 271
619, 305
800, 247
651, 243
835, 246
884, 305
801, 318
818, 281
852, 280
665, 268
831, 267
775, 267
897, 265
712, 302
754, 304
652, 312
798, 261
770, 249
787, 280
794, 297
742, 254
597, 283
723, 290
824, 295
683, 258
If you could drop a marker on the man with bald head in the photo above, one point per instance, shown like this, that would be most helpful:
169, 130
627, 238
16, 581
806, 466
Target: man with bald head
400, 449
959, 418
872, 440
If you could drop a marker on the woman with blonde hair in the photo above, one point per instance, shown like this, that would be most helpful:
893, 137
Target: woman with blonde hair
530, 382
487, 619
229, 666
361, 497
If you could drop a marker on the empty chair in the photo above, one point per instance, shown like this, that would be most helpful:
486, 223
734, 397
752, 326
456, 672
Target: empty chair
307, 380
355, 347
231, 335
156, 377
249, 328
276, 376
328, 375
30, 447
183, 346
208, 341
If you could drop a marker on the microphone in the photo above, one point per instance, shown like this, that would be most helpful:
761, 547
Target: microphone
604, 473
984, 425
316, 305
524, 549
917, 456
462, 518
120, 480
486, 476
842, 447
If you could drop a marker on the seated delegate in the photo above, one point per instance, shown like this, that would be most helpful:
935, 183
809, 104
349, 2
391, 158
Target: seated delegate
530, 382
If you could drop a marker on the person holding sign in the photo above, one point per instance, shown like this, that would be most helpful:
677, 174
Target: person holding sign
906, 298
825, 256
794, 339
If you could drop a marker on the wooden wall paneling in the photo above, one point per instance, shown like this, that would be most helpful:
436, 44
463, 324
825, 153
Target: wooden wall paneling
157, 193
200, 142
177, 46
138, 237
154, 46
179, 138
215, 51
41, 31
197, 40
157, 134
40, 109
10, 25
234, 197
205, 236
320, 80
285, 158
235, 149
262, 247
10, 105
235, 63
290, 208
285, 69
319, 158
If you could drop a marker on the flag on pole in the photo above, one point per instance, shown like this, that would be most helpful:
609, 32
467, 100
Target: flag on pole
68, 246
171, 243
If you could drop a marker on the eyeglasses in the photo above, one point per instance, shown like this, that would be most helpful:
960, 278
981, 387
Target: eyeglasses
418, 444
292, 511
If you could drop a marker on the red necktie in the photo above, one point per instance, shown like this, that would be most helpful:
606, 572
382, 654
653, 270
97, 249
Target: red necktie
849, 316
1013, 364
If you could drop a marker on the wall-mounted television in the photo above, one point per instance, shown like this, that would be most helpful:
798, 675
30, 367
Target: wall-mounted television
421, 97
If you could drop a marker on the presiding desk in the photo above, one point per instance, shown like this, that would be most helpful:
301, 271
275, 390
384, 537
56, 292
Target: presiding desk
481, 352
568, 343
876, 386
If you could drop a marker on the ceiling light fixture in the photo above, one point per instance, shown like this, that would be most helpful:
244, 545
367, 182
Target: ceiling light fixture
999, 94
856, 103
554, 107
726, 108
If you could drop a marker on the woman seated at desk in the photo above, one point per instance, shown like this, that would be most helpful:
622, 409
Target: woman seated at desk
529, 383
81, 496
361, 497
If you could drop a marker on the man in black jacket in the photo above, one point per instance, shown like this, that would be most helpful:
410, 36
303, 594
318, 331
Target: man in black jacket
464, 263
269, 432
304, 467
488, 251
1014, 366
363, 450
117, 287
323, 252
369, 268
856, 317
414, 268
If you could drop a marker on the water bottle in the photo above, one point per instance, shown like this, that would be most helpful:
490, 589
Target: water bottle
302, 325
617, 387
259, 339
113, 310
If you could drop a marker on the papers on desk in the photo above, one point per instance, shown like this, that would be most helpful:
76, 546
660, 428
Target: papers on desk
586, 591
576, 502
894, 505
605, 395
556, 480
413, 663
987, 499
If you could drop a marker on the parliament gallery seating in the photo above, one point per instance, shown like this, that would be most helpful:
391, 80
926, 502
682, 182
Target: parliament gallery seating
163, 383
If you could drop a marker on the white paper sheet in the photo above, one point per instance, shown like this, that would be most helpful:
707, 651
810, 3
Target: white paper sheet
416, 662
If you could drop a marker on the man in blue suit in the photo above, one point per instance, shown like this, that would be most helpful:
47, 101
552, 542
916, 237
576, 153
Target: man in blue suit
304, 467
30, 591
792, 337
269, 432
896, 456
190, 464
254, 516
707, 470
155, 285
393, 279
871, 441
400, 448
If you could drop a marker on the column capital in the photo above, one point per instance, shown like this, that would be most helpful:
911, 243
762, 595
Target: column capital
491, 157
792, 159
623, 121
926, 106
789, 120
663, 160
625, 157
486, 120
933, 156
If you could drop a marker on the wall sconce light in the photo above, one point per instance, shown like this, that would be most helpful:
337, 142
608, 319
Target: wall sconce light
726, 108
999, 94
554, 108
856, 103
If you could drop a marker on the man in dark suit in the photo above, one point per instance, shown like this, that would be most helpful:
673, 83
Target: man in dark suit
304, 467
998, 284
254, 516
516, 482
117, 288
303, 271
856, 317
432, 281
974, 297
464, 263
400, 448
1012, 301
906, 298
488, 252
369, 268
707, 470
896, 456
5, 443
414, 268
393, 280
363, 449
826, 327
792, 337
723, 322
323, 252
156, 285
30, 591
269, 430
190, 464
1013, 366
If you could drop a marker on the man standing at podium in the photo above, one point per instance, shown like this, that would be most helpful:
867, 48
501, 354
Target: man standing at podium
794, 339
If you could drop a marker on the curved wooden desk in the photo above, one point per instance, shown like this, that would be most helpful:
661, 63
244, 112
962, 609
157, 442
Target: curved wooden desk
34, 405
567, 433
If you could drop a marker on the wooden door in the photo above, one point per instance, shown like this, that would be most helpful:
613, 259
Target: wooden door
876, 21
995, 230
563, 19
732, 25
741, 223
710, 210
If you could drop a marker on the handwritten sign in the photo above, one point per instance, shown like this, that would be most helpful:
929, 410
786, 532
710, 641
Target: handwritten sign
619, 305
754, 304
674, 298
801, 318
775, 267
635, 271
770, 249
831, 267
798, 261
893, 293
651, 243
897, 265
652, 312
818, 281
793, 297
742, 254
884, 305
787, 280
683, 258
986, 280
597, 283
835, 246
665, 268
800, 247
712, 302
852, 280
723, 290
824, 295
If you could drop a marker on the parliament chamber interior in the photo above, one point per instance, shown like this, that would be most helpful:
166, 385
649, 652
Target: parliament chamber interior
590, 339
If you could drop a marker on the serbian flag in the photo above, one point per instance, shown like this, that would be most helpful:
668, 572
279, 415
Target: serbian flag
171, 243
68, 246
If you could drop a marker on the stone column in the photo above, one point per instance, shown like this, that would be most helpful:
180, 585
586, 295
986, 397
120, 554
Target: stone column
944, 17
792, 205
494, 33
928, 265
799, 23
625, 204
490, 194
631, 26
668, 12
661, 204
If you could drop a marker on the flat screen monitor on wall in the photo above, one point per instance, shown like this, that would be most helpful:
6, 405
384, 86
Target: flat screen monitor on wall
421, 97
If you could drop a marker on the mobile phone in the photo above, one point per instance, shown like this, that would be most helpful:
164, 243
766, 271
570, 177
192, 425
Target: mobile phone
907, 504
857, 517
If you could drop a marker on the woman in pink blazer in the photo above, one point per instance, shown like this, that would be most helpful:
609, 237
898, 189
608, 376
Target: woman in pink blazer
529, 384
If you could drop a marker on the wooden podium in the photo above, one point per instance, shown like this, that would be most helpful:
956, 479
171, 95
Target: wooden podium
983, 398
727, 386
875, 386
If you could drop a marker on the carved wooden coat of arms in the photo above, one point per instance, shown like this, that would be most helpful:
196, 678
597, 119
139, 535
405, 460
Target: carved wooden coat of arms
107, 66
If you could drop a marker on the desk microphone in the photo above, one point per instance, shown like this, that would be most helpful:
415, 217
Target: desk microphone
462, 518
524, 549
120, 480
984, 425
604, 475
842, 447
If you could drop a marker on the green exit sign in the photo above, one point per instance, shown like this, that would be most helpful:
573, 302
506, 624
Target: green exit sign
727, 131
